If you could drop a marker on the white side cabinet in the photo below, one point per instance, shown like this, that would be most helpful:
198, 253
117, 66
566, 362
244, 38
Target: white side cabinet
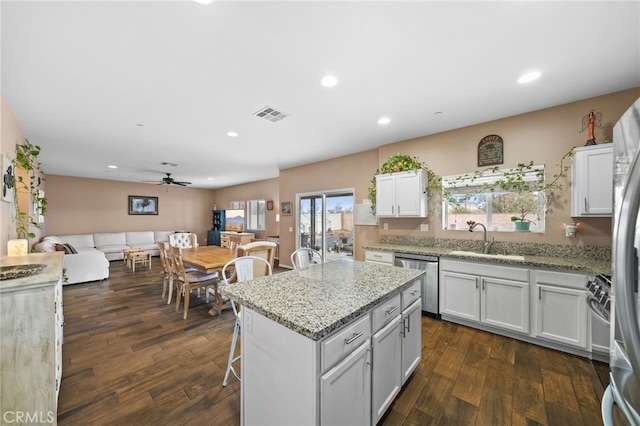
401, 194
561, 307
592, 181
31, 321
494, 295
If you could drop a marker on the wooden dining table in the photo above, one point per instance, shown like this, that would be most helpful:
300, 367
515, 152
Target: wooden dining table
208, 260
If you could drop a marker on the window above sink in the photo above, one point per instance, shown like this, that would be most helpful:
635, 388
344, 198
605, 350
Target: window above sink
494, 199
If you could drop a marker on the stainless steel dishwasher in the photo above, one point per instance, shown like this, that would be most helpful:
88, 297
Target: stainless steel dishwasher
429, 284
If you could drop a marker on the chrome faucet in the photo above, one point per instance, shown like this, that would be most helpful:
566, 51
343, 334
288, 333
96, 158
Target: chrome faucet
486, 244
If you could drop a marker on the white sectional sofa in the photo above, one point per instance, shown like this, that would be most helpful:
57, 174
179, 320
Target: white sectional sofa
94, 251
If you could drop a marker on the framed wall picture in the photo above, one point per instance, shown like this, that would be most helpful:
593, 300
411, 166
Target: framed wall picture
141, 205
269, 205
286, 208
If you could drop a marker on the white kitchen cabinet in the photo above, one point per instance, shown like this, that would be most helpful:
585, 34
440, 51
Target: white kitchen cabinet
344, 390
494, 295
387, 370
561, 307
411, 339
401, 194
382, 257
592, 181
396, 346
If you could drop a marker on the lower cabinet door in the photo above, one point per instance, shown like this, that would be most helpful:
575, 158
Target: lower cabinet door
386, 368
561, 315
345, 390
459, 295
505, 304
411, 339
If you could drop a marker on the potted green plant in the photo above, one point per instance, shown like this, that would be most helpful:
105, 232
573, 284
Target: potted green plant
522, 223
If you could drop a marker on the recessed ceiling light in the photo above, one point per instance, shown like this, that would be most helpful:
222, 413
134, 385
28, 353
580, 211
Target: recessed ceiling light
203, 1
112, 166
384, 120
232, 134
530, 76
329, 81
209, 178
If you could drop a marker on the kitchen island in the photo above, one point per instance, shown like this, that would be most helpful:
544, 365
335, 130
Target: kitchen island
308, 335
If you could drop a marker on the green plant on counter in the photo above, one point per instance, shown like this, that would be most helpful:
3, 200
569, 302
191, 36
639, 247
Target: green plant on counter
403, 163
27, 159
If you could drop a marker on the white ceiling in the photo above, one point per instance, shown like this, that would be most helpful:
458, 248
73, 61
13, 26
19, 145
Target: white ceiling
81, 77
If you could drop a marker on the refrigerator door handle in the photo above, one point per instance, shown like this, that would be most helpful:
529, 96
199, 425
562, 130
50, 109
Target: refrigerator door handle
624, 265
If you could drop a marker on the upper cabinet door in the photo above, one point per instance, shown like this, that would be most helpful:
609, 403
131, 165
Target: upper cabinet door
401, 194
592, 181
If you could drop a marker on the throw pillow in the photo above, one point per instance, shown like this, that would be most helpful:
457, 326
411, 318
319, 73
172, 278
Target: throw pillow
66, 248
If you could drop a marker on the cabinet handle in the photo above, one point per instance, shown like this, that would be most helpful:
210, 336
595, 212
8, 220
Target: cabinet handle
539, 293
407, 325
398, 208
392, 212
585, 205
392, 310
355, 336
477, 282
482, 279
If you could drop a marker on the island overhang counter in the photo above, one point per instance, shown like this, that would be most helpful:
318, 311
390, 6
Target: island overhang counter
306, 340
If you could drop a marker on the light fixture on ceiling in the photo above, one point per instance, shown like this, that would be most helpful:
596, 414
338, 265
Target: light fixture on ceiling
111, 166
529, 77
329, 81
232, 134
204, 1
384, 120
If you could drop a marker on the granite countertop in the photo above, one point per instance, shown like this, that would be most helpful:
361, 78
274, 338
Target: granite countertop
316, 301
555, 261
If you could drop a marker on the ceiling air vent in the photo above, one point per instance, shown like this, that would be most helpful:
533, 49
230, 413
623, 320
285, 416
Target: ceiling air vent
271, 114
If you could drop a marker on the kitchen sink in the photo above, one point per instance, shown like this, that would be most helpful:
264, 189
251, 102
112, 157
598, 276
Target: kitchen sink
487, 255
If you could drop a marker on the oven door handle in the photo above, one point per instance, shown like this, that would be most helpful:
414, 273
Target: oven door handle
592, 302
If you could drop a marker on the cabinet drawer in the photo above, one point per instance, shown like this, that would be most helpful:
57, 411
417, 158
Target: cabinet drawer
378, 256
386, 312
335, 348
562, 279
411, 294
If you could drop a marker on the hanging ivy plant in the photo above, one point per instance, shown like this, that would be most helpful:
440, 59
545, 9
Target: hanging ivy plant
27, 159
403, 163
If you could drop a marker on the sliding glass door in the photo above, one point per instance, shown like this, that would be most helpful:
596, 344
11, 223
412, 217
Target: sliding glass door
325, 223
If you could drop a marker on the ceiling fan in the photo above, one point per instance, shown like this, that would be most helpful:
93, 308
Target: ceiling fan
168, 181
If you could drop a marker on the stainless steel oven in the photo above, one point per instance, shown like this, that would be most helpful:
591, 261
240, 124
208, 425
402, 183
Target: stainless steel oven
429, 284
599, 303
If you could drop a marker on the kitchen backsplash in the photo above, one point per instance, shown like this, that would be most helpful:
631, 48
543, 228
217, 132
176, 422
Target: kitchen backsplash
504, 247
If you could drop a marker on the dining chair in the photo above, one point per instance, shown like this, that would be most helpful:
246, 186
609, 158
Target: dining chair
239, 270
187, 281
304, 257
263, 249
167, 269
183, 239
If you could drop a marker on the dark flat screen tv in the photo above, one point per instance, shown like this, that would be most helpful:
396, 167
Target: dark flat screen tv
234, 221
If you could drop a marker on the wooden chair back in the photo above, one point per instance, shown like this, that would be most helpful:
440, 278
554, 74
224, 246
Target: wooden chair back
263, 249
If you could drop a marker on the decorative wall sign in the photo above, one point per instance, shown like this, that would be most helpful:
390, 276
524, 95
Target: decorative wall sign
8, 179
490, 151
269, 205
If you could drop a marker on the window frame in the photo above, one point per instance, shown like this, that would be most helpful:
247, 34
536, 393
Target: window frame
488, 183
260, 215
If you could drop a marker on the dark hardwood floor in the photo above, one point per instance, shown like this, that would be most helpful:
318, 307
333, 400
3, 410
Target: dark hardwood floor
129, 358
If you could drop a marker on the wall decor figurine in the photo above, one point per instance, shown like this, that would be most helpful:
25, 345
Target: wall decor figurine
589, 123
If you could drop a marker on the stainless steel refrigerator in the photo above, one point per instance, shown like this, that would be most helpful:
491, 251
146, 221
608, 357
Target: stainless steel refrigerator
623, 392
